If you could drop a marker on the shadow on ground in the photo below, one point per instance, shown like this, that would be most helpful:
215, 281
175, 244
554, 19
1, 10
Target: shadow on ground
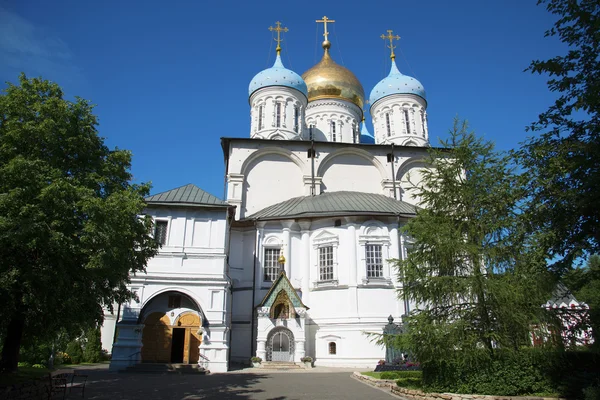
105, 385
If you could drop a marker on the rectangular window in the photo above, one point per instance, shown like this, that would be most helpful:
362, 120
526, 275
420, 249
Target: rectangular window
296, 120
406, 121
374, 261
333, 135
260, 118
311, 134
387, 124
160, 231
354, 133
326, 263
174, 301
270, 265
278, 114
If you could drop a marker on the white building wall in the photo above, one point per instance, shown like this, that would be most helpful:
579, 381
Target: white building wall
193, 263
392, 126
333, 120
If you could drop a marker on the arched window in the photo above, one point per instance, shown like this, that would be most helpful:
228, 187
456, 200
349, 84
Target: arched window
278, 115
260, 117
296, 119
387, 124
332, 348
282, 311
333, 135
407, 121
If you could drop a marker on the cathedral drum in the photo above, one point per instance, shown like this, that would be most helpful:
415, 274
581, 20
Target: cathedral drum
280, 346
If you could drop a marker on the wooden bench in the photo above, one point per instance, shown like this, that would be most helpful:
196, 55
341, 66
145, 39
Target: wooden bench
66, 379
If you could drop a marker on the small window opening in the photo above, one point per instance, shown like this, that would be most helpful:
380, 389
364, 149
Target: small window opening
387, 124
296, 120
160, 231
333, 135
332, 348
278, 115
260, 118
174, 301
406, 121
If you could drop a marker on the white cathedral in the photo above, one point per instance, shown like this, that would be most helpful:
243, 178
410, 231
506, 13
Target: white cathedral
295, 261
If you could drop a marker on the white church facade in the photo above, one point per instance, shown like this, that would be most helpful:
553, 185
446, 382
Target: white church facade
296, 260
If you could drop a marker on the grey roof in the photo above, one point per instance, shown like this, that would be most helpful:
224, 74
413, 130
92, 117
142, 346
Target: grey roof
188, 195
561, 295
335, 204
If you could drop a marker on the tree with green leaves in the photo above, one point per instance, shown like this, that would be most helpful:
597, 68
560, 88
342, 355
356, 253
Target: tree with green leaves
584, 283
70, 231
477, 280
562, 163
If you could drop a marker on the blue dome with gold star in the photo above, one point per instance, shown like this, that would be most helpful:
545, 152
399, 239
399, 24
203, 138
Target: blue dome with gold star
277, 75
396, 83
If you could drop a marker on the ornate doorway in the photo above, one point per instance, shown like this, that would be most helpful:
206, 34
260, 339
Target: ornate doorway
280, 345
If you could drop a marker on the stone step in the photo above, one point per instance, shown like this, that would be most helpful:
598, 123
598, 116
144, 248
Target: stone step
280, 365
158, 368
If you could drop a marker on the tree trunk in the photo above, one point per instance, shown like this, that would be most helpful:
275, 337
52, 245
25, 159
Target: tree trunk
12, 343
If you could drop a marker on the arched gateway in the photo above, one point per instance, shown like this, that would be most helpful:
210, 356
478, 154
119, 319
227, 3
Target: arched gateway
280, 345
172, 330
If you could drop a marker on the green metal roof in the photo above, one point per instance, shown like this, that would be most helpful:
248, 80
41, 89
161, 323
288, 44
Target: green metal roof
188, 195
335, 204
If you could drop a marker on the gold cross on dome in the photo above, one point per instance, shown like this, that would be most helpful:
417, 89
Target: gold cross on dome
278, 29
325, 20
391, 38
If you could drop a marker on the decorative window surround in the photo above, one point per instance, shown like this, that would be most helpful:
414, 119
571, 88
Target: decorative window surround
164, 235
271, 245
374, 234
322, 240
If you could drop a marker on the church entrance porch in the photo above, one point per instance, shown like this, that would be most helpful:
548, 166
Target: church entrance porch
163, 342
280, 345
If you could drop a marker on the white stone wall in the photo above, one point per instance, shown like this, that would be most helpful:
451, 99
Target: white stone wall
262, 173
333, 121
192, 262
339, 311
393, 110
264, 121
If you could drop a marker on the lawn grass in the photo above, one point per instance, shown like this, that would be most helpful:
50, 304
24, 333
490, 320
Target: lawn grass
23, 374
376, 375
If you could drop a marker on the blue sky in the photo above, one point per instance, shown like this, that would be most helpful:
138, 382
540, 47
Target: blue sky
170, 78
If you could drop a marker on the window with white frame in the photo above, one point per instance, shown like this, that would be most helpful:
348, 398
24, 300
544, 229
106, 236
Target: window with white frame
278, 115
326, 263
260, 117
311, 134
296, 119
271, 264
387, 124
407, 121
326, 245
161, 231
374, 260
333, 133
354, 133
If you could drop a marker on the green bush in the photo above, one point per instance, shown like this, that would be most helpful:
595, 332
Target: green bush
21, 364
93, 346
75, 352
401, 374
410, 383
38, 366
528, 371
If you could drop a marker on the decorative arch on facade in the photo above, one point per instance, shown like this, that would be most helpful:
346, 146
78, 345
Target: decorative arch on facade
411, 163
351, 151
282, 307
175, 290
271, 150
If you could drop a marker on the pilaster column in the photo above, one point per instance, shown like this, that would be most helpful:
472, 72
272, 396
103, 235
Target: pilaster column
394, 252
305, 285
235, 184
287, 251
352, 248
258, 254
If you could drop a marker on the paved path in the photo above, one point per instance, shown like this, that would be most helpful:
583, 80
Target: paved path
243, 384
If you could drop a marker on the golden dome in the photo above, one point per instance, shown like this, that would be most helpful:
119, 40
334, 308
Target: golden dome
328, 80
